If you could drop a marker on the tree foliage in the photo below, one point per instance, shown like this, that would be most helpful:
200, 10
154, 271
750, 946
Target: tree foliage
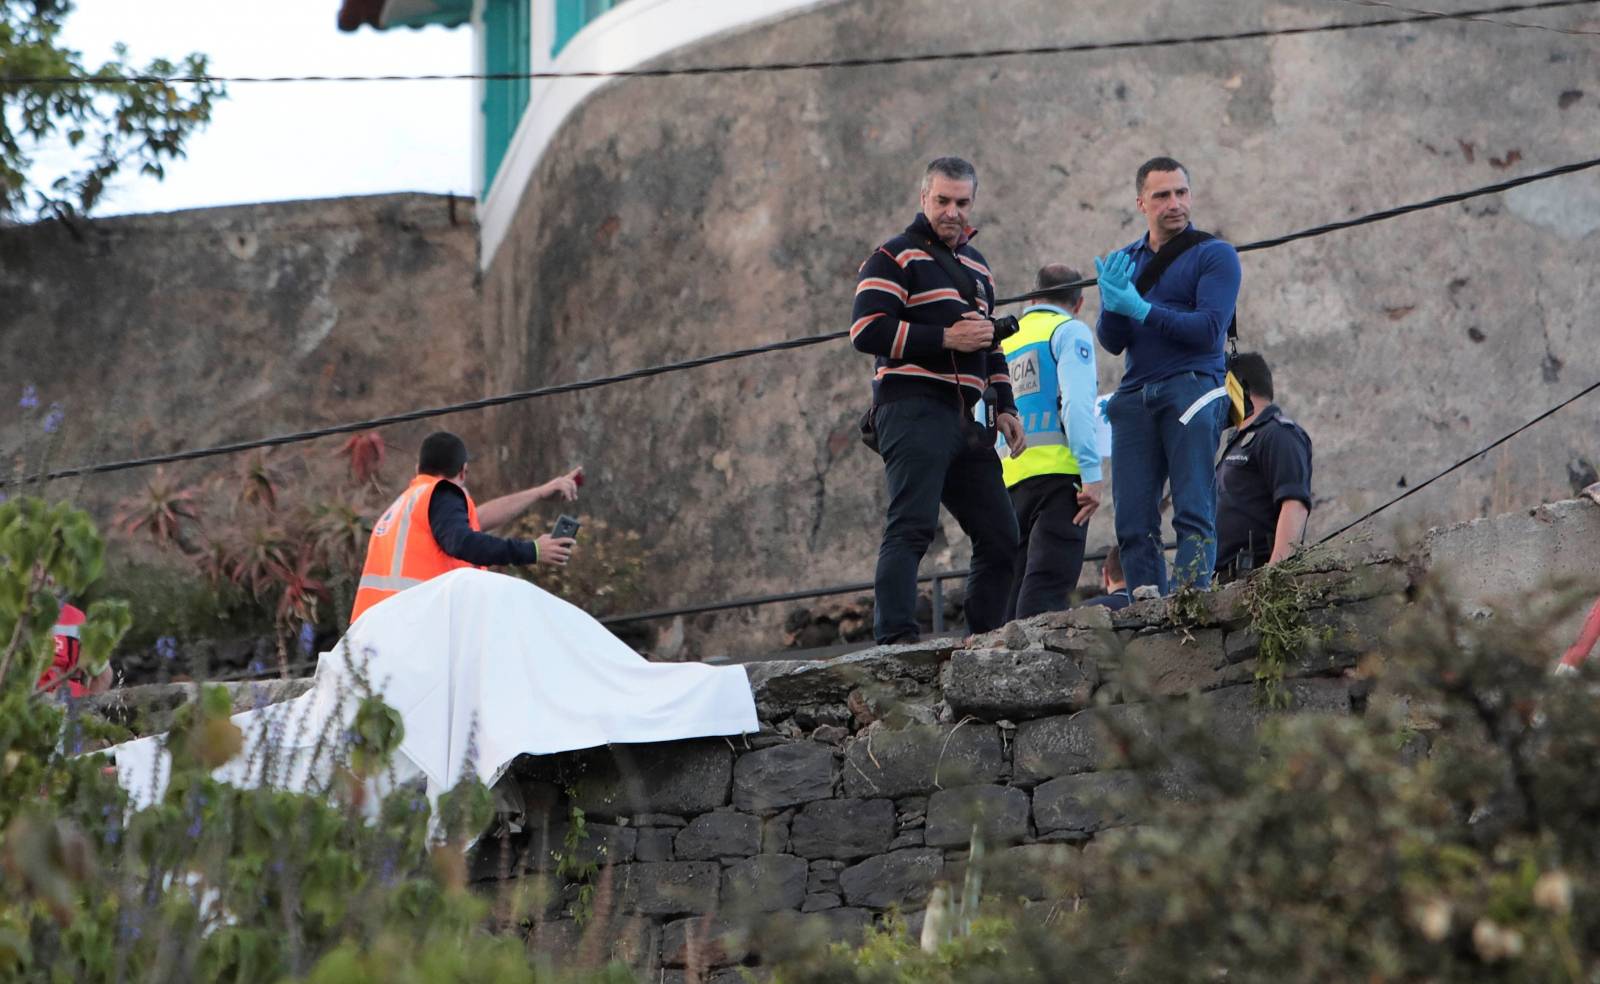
109, 125
214, 882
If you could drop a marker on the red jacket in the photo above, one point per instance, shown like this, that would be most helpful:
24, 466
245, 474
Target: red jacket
68, 646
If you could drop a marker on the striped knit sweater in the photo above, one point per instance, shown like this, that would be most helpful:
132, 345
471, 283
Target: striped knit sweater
904, 301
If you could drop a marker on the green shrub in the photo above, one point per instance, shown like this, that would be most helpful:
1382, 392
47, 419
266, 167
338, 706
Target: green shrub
215, 882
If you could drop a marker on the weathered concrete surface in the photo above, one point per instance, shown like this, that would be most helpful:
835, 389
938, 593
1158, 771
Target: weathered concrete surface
162, 332
1528, 561
671, 218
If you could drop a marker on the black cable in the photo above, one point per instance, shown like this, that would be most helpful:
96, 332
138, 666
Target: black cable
802, 594
264, 675
1369, 218
792, 343
798, 66
1574, 32
1474, 456
423, 414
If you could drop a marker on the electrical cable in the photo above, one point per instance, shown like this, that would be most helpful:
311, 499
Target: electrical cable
265, 674
1474, 456
788, 344
423, 414
1573, 32
813, 65
1360, 220
837, 589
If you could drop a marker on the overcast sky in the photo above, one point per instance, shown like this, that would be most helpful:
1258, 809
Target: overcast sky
281, 141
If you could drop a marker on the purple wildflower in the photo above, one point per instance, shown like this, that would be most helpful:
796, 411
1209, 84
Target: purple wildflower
256, 666
30, 398
167, 648
52, 420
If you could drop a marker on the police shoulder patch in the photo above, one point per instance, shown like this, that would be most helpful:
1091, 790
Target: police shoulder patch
1084, 350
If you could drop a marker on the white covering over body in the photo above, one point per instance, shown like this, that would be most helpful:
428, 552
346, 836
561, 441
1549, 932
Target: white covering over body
482, 668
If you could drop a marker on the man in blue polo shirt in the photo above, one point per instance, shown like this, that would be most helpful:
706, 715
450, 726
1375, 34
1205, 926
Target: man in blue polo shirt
1168, 412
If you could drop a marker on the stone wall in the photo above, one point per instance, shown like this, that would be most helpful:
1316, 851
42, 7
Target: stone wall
862, 789
158, 333
677, 217
860, 792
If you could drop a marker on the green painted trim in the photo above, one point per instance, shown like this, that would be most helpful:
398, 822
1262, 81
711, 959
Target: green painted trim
508, 48
573, 15
447, 13
569, 20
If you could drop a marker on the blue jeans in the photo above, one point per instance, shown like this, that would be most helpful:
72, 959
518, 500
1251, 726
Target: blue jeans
927, 460
1167, 431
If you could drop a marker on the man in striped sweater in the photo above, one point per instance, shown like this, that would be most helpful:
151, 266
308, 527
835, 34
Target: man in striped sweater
922, 307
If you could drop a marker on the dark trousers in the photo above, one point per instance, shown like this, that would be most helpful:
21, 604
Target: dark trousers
928, 460
1050, 555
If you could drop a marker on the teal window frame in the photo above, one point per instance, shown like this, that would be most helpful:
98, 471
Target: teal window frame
507, 49
572, 15
447, 13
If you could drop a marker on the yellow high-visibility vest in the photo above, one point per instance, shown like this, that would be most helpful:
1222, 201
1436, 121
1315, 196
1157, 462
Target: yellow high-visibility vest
1040, 402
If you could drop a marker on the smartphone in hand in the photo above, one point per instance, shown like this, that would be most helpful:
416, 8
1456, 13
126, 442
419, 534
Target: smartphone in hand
566, 528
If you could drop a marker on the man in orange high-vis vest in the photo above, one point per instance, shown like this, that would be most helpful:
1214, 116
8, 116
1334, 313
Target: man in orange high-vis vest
434, 526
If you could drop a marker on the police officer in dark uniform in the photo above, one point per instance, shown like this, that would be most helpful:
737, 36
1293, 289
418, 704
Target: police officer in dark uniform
1263, 480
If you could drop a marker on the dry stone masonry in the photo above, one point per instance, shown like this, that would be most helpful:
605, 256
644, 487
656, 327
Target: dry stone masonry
872, 772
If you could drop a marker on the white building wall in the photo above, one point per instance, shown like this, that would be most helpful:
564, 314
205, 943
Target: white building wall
624, 37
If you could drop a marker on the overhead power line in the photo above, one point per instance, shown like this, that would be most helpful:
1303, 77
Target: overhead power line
1469, 459
670, 367
867, 61
1360, 220
1574, 32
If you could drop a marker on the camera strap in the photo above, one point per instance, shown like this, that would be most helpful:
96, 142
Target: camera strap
967, 286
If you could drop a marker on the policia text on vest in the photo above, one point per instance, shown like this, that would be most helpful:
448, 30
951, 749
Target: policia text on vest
1052, 365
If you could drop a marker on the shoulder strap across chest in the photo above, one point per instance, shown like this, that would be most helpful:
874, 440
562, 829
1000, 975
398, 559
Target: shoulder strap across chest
966, 285
1176, 247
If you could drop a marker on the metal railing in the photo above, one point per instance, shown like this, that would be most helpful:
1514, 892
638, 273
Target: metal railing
754, 601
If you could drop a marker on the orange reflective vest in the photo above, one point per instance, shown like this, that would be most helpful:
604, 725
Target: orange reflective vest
402, 552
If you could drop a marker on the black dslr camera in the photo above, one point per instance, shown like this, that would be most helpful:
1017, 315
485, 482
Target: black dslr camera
1004, 327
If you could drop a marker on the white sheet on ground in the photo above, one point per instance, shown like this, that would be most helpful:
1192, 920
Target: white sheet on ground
482, 668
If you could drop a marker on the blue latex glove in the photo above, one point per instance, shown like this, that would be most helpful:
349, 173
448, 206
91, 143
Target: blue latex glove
1117, 293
